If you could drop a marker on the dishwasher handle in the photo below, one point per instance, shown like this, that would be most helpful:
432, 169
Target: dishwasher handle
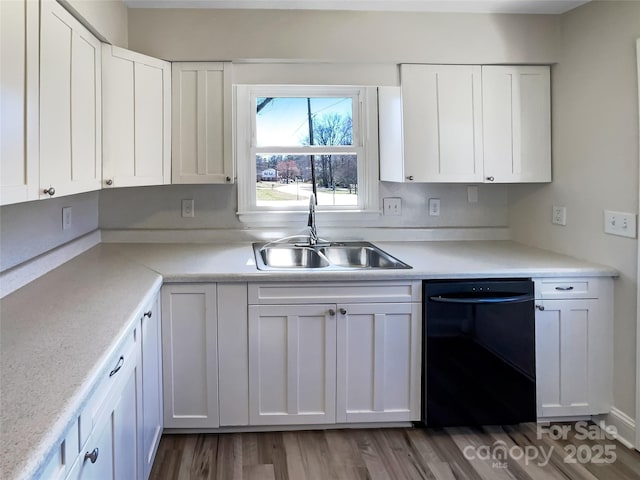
475, 300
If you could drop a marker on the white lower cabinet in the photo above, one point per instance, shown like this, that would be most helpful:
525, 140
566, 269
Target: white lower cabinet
111, 448
574, 337
151, 387
190, 356
292, 364
334, 352
116, 434
98, 461
378, 375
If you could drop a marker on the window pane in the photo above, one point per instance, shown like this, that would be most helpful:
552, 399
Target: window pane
284, 121
286, 180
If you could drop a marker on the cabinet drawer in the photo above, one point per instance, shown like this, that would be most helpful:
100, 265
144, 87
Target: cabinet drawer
124, 355
561, 288
348, 292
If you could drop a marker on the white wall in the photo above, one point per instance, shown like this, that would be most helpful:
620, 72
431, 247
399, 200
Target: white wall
216, 205
364, 37
32, 228
595, 162
109, 18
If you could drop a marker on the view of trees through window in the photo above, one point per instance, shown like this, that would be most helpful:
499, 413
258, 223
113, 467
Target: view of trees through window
288, 130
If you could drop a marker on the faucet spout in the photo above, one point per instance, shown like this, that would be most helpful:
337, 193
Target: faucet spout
311, 223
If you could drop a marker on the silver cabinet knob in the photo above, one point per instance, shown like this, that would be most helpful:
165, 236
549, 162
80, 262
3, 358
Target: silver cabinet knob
148, 314
410, 178
109, 182
540, 307
343, 311
93, 456
490, 179
332, 312
50, 191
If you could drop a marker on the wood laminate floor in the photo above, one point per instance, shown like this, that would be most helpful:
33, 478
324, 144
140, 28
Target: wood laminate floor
398, 453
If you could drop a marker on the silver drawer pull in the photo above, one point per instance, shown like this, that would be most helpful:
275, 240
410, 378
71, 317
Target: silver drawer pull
118, 366
564, 289
93, 456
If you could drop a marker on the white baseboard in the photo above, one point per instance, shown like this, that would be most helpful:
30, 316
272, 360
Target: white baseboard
287, 428
18, 276
624, 424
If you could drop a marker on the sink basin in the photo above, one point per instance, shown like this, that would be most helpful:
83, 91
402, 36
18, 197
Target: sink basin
360, 256
292, 257
332, 256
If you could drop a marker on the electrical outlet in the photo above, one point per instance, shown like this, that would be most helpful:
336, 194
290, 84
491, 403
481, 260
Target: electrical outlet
434, 207
392, 206
620, 223
187, 208
559, 216
66, 218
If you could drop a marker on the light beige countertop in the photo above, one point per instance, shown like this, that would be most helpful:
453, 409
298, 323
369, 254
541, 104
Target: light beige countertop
57, 332
444, 259
55, 335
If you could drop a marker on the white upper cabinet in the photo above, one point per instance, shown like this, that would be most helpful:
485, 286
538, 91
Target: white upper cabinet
70, 104
201, 123
442, 128
136, 117
466, 124
18, 101
516, 112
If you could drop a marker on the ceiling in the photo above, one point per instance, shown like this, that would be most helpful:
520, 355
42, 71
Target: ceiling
458, 6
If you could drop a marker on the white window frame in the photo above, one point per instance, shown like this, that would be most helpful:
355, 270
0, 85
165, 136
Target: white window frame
365, 146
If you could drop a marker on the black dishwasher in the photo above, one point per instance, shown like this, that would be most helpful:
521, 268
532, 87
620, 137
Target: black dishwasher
478, 352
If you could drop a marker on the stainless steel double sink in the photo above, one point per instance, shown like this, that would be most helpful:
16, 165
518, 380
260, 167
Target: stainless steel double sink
326, 256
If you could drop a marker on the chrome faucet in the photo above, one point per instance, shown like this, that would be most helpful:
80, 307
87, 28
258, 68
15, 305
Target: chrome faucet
313, 232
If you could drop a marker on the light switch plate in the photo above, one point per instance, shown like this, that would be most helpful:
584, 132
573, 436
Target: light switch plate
392, 206
623, 224
67, 219
434, 207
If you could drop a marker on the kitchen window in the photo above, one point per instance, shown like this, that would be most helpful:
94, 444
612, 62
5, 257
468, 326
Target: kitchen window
292, 141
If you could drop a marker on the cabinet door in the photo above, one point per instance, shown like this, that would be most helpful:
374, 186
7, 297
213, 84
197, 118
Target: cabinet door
442, 123
378, 362
201, 123
136, 119
233, 354
125, 418
18, 101
571, 355
516, 110
190, 356
70, 104
152, 418
100, 449
292, 364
